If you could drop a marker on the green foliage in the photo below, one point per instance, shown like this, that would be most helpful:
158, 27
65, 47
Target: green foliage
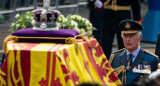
74, 22
22, 21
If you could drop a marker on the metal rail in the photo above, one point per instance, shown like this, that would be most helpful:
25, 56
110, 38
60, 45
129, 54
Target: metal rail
34, 7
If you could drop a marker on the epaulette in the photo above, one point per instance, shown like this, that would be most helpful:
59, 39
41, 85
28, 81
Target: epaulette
112, 55
118, 50
150, 53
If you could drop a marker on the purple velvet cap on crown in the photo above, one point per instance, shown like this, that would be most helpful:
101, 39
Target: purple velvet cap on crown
29, 32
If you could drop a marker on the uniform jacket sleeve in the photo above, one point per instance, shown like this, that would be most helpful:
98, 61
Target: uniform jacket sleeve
154, 64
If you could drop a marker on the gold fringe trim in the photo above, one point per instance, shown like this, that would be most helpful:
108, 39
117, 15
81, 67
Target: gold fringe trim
106, 3
112, 55
118, 50
150, 53
8, 38
118, 70
67, 40
111, 58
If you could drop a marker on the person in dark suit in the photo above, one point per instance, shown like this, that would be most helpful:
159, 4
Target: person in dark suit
95, 18
132, 62
115, 11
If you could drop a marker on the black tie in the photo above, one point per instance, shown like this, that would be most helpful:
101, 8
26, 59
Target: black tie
130, 58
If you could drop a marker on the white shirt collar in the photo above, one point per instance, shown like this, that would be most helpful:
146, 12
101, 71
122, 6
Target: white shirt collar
135, 53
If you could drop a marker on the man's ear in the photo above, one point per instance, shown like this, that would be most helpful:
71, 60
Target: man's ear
140, 38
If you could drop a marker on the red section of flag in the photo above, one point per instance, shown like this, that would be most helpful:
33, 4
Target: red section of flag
65, 54
25, 62
65, 69
98, 49
102, 71
56, 82
25, 65
43, 81
112, 77
90, 56
16, 74
72, 77
53, 81
75, 78
4, 68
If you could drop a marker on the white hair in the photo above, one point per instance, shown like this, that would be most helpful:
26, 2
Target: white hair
139, 34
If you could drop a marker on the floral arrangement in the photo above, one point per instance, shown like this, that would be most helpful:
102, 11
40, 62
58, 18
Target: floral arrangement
75, 22
22, 21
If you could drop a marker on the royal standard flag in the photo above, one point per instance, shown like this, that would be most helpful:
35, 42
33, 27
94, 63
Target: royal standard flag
50, 64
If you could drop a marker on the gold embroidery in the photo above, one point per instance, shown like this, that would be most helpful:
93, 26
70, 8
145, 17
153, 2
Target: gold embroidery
128, 26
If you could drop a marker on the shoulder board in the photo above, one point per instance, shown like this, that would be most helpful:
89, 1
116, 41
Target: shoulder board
150, 53
112, 55
119, 50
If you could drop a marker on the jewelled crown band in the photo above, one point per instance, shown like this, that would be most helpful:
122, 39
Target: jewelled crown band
45, 19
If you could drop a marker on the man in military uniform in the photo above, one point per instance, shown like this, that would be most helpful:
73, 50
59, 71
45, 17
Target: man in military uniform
115, 11
132, 62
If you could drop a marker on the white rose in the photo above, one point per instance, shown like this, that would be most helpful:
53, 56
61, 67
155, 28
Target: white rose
17, 25
58, 25
27, 17
74, 23
31, 18
89, 32
76, 28
82, 31
65, 20
17, 15
33, 22
73, 16
78, 17
87, 22
12, 24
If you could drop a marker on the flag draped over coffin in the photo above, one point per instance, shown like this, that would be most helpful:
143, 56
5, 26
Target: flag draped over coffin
49, 64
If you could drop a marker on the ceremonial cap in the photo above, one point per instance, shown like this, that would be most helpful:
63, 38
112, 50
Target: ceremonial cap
130, 26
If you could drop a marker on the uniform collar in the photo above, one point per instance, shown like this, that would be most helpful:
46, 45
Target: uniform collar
135, 53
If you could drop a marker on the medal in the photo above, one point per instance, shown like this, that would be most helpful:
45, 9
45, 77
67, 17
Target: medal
142, 68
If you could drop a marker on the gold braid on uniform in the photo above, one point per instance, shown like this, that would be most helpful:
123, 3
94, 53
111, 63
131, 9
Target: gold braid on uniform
118, 70
107, 2
150, 53
111, 58
112, 55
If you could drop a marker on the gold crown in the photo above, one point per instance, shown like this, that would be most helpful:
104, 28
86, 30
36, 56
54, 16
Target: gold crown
45, 19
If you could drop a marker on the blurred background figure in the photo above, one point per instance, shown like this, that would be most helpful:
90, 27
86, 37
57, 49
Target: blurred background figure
152, 80
95, 18
5, 4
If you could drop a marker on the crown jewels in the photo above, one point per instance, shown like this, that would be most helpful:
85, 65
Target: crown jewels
45, 19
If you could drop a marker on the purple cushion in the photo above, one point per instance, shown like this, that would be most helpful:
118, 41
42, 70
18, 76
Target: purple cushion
29, 32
